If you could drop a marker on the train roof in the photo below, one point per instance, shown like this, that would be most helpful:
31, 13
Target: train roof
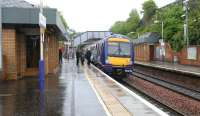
117, 36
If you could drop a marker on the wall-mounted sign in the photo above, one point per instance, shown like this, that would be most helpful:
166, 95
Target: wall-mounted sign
42, 20
192, 53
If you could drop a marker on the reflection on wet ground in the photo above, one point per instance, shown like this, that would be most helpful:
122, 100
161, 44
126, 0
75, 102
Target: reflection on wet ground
56, 96
29, 97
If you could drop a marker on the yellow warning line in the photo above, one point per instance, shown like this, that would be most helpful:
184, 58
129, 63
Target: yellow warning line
110, 104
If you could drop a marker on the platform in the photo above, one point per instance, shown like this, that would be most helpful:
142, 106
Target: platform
193, 70
76, 91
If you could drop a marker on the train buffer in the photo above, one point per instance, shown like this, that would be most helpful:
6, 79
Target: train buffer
77, 91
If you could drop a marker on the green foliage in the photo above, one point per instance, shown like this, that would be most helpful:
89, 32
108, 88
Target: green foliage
177, 42
194, 22
171, 16
64, 21
119, 27
133, 21
149, 8
72, 33
130, 25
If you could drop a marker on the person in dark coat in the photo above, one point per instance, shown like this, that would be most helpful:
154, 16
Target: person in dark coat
60, 56
82, 57
78, 56
88, 56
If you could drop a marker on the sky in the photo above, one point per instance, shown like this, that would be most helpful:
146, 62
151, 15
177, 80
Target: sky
95, 15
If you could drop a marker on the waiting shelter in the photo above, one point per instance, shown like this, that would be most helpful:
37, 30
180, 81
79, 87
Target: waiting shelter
21, 39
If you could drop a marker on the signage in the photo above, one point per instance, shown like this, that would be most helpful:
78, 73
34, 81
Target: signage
192, 53
42, 20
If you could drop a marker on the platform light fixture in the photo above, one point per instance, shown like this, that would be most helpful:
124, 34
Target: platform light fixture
162, 43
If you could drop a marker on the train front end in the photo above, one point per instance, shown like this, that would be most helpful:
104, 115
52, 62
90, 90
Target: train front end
119, 56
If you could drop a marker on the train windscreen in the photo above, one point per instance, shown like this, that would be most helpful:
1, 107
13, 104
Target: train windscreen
119, 49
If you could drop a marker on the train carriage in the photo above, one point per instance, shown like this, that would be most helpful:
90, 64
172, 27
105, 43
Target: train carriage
114, 54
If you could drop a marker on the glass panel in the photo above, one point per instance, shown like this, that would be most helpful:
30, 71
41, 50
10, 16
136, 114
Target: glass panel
125, 49
119, 49
113, 48
192, 53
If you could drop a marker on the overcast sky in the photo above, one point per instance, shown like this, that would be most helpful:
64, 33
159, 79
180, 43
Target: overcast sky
95, 15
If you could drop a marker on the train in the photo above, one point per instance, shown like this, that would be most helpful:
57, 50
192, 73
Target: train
113, 54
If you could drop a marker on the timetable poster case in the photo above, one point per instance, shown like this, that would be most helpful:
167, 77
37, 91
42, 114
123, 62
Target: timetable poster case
192, 53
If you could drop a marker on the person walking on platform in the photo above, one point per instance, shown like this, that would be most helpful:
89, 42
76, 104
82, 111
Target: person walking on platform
78, 56
88, 56
60, 56
82, 57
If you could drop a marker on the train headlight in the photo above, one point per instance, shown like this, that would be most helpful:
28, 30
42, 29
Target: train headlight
130, 62
107, 61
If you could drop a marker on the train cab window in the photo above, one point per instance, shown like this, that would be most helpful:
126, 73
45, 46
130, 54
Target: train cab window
119, 49
125, 49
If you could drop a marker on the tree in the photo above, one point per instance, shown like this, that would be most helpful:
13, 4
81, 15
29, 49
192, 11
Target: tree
72, 33
177, 42
130, 25
194, 22
149, 8
133, 21
119, 27
173, 26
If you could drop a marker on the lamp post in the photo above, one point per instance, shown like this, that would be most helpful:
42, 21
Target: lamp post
42, 24
185, 8
162, 43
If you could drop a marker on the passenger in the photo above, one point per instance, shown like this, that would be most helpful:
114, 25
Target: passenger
78, 56
82, 57
88, 56
60, 56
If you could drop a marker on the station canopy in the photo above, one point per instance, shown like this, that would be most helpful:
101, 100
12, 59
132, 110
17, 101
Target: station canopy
20, 12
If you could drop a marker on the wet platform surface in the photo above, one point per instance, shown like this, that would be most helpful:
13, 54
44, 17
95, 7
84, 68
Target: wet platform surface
77, 91
173, 66
66, 95
131, 102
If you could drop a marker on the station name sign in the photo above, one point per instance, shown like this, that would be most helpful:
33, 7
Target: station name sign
42, 20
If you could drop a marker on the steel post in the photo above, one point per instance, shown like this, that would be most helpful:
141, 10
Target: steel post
41, 62
1, 39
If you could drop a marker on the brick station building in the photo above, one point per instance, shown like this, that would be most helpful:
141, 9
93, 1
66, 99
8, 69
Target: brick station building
21, 40
147, 49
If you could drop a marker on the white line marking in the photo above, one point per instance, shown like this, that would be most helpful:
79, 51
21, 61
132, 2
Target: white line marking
97, 94
153, 107
174, 68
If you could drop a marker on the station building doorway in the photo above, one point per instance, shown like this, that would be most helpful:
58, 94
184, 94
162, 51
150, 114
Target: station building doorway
32, 51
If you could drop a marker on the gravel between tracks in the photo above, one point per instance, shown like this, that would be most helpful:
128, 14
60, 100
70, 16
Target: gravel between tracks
178, 102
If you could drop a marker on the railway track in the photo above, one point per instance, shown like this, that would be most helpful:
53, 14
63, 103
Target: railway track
194, 94
184, 108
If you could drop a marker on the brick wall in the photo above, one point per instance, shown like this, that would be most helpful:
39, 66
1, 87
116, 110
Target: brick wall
21, 55
183, 57
142, 52
169, 54
51, 54
10, 53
